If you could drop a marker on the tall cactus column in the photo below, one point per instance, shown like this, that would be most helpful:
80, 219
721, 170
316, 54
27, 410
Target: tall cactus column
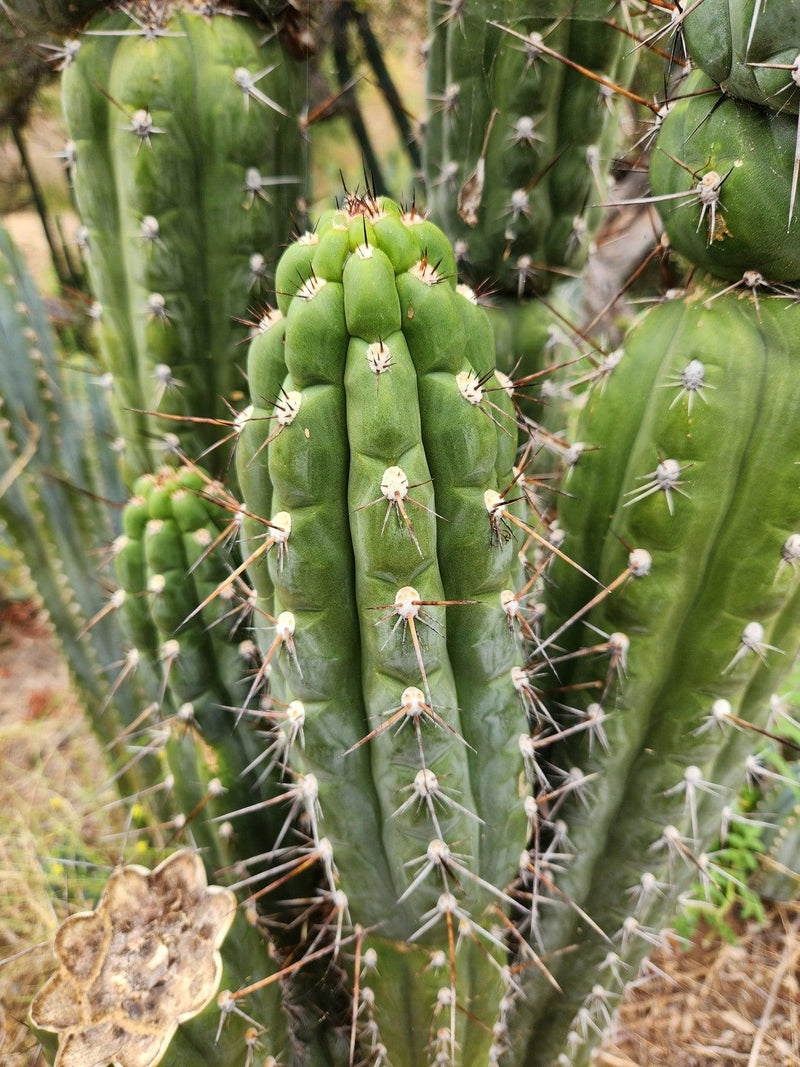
389, 432
186, 163
693, 503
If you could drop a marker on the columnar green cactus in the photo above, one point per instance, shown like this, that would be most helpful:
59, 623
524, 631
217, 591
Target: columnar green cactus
517, 154
190, 648
57, 496
390, 447
697, 476
487, 812
186, 162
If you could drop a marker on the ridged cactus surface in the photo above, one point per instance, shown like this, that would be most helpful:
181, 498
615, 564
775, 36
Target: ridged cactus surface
692, 508
723, 173
390, 444
520, 133
186, 163
749, 47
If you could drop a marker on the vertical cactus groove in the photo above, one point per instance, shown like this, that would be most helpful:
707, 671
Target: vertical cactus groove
386, 434
186, 166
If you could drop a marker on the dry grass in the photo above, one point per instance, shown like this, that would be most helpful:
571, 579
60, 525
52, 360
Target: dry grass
717, 1005
49, 770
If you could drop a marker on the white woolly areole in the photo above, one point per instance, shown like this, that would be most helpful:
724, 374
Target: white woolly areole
791, 549
753, 634
281, 525
639, 562
708, 187
505, 383
494, 503
379, 358
288, 407
394, 483
405, 604
413, 701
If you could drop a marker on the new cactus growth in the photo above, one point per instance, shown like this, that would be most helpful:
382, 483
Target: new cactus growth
186, 166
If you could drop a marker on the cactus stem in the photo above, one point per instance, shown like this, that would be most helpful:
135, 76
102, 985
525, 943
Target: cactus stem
497, 506
426, 789
665, 478
793, 83
407, 607
394, 490
605, 83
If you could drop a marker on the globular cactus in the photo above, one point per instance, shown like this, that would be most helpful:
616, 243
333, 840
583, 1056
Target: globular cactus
186, 163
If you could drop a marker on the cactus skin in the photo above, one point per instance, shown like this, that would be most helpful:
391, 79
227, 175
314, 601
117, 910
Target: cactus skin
752, 149
172, 224
57, 495
549, 148
718, 564
195, 664
737, 42
341, 561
